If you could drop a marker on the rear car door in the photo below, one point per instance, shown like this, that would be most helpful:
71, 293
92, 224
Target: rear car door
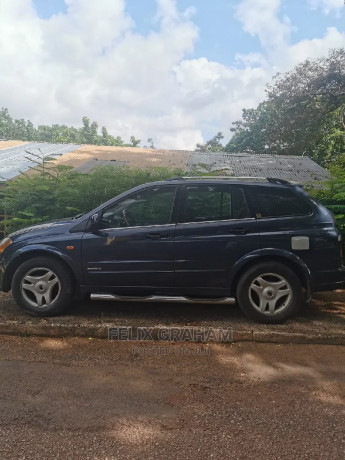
214, 230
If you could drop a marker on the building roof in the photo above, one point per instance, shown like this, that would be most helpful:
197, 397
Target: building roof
16, 159
135, 157
84, 159
292, 168
90, 165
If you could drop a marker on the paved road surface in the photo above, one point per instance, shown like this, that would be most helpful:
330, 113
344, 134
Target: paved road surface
94, 399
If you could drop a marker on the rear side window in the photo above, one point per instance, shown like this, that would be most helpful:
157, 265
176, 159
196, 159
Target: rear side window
205, 203
278, 202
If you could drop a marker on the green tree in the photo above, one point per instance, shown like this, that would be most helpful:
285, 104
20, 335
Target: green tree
87, 134
302, 115
20, 132
105, 136
6, 124
332, 193
212, 145
31, 131
45, 133
150, 141
134, 142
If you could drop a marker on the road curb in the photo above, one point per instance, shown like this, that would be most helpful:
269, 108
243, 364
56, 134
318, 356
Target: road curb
101, 331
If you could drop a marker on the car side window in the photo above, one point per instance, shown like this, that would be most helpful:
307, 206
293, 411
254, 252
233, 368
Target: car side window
240, 209
278, 202
153, 206
206, 203
214, 202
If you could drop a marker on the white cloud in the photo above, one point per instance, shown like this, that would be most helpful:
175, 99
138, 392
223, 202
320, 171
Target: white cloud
314, 48
260, 18
92, 61
327, 6
251, 59
218, 93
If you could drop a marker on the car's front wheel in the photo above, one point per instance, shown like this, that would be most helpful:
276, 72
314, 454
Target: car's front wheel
269, 292
42, 286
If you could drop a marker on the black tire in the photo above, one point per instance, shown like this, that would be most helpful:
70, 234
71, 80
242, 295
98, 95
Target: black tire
42, 286
269, 292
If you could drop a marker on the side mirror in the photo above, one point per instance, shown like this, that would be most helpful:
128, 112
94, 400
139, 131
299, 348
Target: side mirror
94, 222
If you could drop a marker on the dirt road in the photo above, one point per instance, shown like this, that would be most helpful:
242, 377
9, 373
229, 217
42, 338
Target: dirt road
94, 399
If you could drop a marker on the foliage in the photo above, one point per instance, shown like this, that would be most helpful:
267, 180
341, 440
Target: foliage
134, 142
212, 145
59, 192
87, 134
302, 115
151, 144
332, 193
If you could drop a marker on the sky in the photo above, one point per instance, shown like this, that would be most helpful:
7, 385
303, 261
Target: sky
176, 71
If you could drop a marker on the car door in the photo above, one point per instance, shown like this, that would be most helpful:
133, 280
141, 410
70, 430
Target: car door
133, 246
214, 230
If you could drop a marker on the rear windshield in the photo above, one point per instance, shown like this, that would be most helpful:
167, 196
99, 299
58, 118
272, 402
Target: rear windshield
278, 202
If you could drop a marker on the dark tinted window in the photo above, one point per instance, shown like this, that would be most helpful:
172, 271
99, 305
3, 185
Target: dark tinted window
213, 202
278, 202
151, 206
240, 208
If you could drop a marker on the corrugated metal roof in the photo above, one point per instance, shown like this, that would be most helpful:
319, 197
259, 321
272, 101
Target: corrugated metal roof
136, 157
299, 169
15, 160
292, 168
90, 165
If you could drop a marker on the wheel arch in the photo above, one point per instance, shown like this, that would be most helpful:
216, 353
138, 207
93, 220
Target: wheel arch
27, 255
290, 260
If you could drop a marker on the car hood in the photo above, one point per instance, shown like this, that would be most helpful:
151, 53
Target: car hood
47, 228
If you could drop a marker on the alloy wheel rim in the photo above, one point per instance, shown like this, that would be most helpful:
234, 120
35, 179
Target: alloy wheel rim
270, 294
40, 287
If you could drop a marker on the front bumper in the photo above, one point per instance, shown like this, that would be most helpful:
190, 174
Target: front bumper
2, 275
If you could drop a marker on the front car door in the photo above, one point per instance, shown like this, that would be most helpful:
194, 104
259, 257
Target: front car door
133, 246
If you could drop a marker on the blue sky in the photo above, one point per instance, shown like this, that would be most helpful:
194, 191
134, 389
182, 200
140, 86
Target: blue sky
221, 34
177, 71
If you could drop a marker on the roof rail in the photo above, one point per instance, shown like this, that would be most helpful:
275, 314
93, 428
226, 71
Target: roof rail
272, 180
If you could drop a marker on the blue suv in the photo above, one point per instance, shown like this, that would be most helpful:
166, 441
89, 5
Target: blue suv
264, 243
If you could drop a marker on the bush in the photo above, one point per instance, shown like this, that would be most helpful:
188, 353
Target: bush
57, 193
332, 194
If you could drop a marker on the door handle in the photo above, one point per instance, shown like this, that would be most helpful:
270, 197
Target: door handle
239, 231
156, 236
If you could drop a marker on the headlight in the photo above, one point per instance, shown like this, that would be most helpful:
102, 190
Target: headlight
4, 243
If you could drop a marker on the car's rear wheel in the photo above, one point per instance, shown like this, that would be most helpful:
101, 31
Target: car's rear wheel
42, 286
269, 292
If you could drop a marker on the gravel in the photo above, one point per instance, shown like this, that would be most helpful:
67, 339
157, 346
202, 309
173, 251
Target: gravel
324, 316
